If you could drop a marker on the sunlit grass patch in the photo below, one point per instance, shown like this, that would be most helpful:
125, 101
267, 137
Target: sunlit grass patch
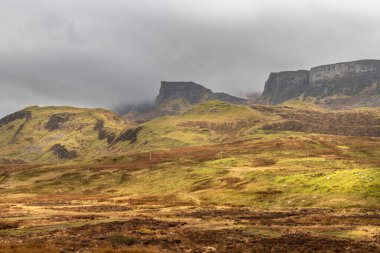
355, 181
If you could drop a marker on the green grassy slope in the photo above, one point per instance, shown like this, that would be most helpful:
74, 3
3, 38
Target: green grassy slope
211, 122
32, 142
285, 170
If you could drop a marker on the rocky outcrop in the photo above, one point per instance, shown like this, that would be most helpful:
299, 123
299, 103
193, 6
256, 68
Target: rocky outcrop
17, 133
175, 98
191, 93
129, 135
285, 85
355, 81
102, 132
15, 116
61, 152
56, 121
26, 115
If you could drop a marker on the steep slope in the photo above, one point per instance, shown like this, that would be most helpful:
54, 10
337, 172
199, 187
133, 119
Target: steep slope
285, 85
349, 83
50, 134
192, 93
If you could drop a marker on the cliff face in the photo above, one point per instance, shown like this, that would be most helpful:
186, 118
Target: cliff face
191, 93
354, 69
348, 78
177, 97
285, 85
358, 80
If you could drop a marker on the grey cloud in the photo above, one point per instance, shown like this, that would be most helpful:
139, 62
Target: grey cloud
105, 53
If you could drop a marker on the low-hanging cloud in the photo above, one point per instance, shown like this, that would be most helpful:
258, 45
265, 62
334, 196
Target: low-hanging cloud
96, 53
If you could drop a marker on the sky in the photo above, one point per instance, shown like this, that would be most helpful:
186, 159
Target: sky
105, 53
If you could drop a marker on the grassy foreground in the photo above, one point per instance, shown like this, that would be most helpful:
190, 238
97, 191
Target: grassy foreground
196, 183
324, 189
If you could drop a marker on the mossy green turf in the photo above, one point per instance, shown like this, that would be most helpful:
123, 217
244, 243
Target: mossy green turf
210, 122
299, 179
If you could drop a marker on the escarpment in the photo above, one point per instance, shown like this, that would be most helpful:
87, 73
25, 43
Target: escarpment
191, 93
175, 98
285, 85
349, 78
356, 82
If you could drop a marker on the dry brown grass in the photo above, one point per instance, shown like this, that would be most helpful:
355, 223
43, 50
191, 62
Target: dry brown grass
49, 248
131, 249
28, 248
258, 162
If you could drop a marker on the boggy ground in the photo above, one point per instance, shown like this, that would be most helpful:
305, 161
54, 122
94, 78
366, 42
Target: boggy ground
288, 192
72, 226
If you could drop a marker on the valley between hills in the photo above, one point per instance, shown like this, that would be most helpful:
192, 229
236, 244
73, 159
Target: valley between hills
202, 173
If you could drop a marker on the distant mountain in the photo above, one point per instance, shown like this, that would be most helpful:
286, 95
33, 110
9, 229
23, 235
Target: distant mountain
354, 83
177, 97
192, 93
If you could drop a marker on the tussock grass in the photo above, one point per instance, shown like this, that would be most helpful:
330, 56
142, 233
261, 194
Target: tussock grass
132, 249
28, 248
50, 248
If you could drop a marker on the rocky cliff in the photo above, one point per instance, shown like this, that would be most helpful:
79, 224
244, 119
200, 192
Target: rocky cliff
191, 93
348, 78
348, 82
285, 85
175, 98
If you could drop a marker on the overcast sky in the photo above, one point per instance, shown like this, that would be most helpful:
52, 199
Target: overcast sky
101, 53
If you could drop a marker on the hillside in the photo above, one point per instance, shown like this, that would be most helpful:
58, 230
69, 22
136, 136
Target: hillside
50, 134
289, 177
221, 122
62, 134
